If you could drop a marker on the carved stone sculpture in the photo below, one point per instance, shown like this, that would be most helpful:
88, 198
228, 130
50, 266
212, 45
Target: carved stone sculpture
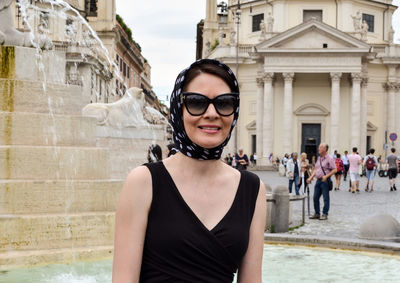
364, 30
8, 34
130, 111
357, 21
391, 34
233, 37
270, 22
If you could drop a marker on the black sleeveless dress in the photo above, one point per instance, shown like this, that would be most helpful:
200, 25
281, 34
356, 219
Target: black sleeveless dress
179, 248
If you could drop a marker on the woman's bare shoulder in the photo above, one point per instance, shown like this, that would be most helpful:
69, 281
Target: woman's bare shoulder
137, 187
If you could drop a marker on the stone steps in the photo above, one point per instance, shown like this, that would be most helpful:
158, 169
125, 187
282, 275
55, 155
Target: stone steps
50, 162
56, 231
15, 259
30, 96
36, 197
22, 128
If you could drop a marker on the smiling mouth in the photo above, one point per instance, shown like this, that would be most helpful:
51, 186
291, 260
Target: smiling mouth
210, 128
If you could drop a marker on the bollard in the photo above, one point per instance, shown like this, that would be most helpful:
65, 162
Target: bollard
280, 210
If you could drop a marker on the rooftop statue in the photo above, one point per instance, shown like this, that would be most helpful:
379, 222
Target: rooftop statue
8, 34
270, 22
130, 111
357, 21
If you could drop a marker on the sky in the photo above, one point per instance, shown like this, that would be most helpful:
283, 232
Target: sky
166, 31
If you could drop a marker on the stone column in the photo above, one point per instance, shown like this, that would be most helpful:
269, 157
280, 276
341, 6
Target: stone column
363, 125
355, 120
335, 110
288, 113
259, 118
391, 88
268, 115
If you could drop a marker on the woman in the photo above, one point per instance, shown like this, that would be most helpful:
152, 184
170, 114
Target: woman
191, 217
303, 172
339, 172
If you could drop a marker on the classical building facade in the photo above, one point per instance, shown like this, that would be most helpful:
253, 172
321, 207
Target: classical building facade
309, 72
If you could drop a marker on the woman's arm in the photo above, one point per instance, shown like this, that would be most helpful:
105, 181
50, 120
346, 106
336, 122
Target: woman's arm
130, 225
250, 268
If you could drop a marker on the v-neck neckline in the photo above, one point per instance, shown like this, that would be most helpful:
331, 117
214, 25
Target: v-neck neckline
194, 215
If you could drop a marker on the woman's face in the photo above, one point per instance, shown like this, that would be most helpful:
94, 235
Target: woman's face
210, 129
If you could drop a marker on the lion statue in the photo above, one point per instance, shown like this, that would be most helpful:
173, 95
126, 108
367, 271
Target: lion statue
8, 34
130, 111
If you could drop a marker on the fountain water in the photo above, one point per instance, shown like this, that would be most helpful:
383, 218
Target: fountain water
62, 172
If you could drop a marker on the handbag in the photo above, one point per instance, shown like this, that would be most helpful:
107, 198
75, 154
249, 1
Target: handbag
330, 183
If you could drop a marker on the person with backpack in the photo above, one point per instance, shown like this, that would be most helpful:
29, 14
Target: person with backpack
370, 164
340, 169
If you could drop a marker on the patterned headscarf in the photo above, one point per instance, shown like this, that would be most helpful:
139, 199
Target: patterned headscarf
181, 139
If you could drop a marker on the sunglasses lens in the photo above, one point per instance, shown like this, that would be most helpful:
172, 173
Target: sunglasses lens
225, 104
196, 104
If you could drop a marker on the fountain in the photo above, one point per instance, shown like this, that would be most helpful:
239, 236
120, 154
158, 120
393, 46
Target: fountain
62, 169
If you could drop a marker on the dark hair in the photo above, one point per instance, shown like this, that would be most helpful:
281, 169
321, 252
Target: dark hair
372, 151
337, 155
346, 152
326, 147
354, 149
208, 68
393, 150
154, 153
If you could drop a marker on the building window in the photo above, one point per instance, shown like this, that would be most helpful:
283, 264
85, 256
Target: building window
91, 8
370, 21
117, 60
257, 21
127, 71
309, 14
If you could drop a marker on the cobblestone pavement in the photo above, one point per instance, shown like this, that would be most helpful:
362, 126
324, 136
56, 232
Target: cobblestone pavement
347, 211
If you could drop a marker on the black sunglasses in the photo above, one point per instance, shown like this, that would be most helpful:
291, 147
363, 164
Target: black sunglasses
197, 104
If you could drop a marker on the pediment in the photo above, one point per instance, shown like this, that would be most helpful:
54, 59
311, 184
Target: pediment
371, 127
252, 125
313, 35
311, 109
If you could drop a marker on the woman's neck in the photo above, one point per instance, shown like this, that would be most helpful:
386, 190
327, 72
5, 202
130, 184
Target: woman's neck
195, 165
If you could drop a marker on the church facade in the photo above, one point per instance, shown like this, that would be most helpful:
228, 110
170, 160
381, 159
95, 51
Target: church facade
309, 72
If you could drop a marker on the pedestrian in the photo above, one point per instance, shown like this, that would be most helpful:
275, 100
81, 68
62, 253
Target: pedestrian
171, 149
304, 164
334, 155
229, 159
285, 159
242, 161
293, 173
324, 168
354, 162
255, 157
339, 169
370, 164
392, 172
191, 217
252, 159
346, 165
154, 154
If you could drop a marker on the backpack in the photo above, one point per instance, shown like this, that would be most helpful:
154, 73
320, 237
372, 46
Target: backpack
370, 164
339, 165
